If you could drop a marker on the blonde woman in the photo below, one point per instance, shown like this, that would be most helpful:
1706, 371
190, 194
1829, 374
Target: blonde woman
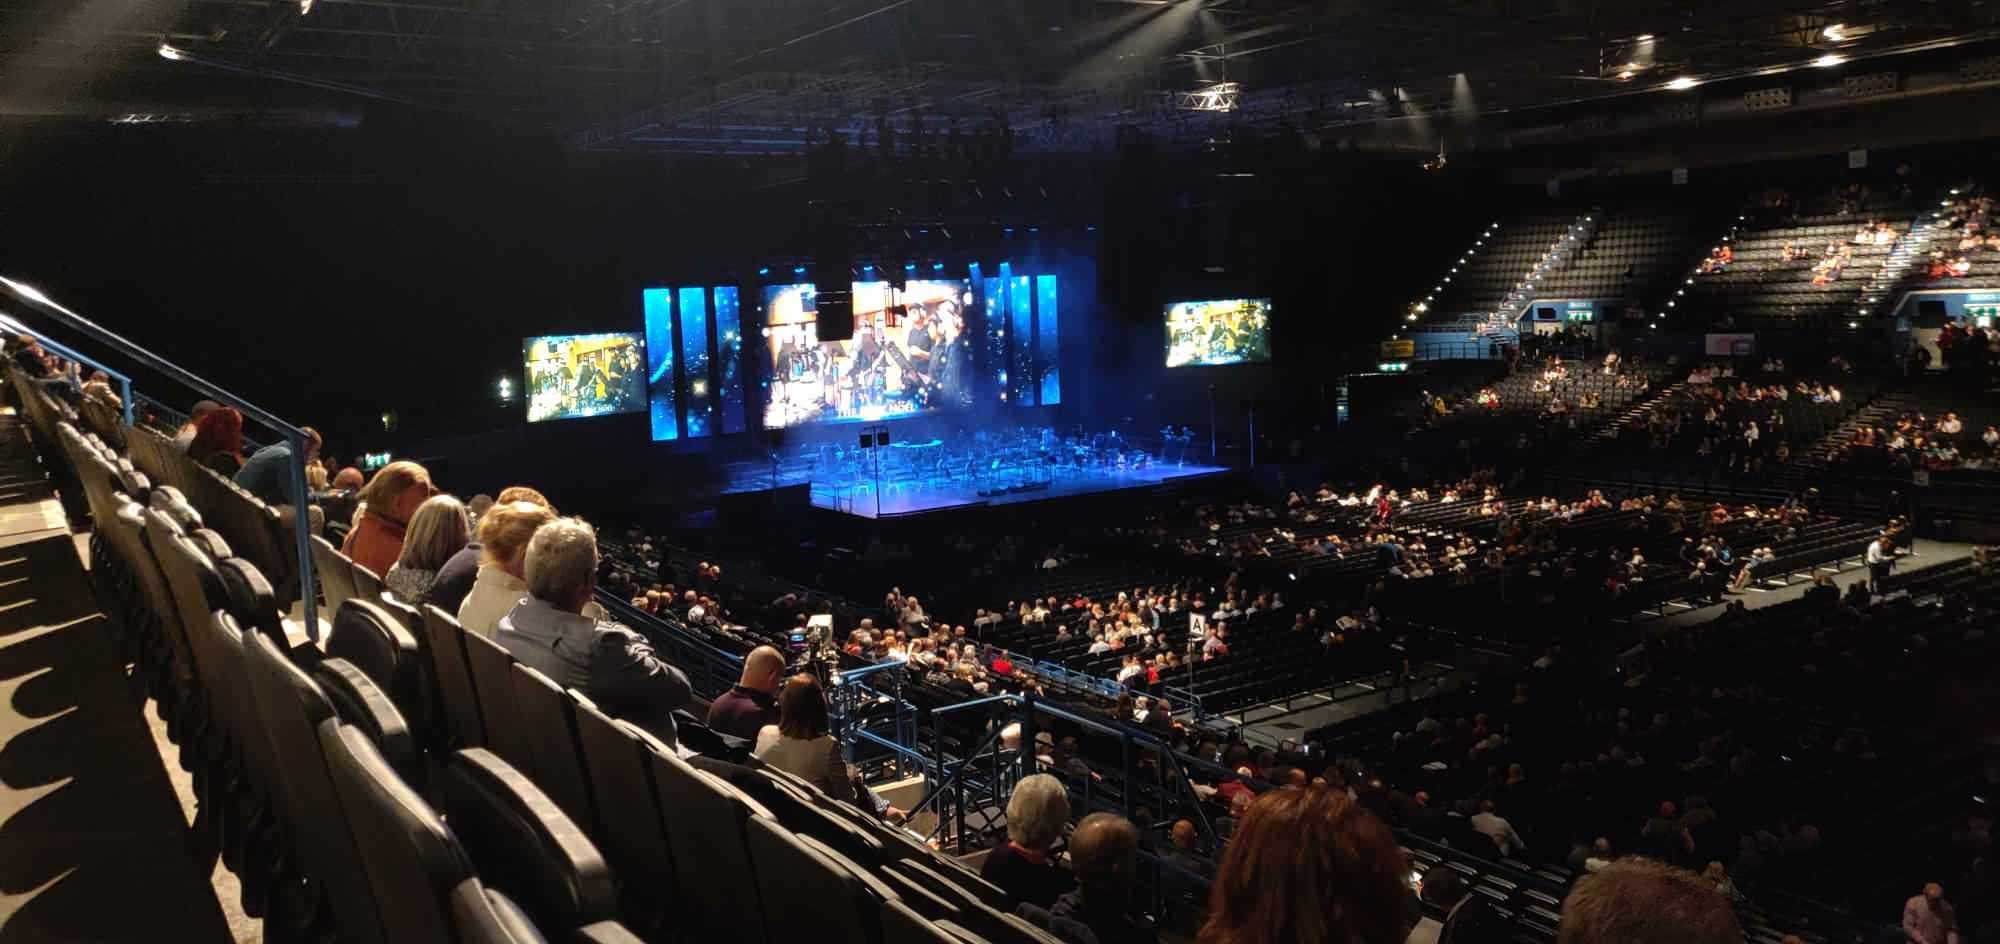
438, 530
502, 581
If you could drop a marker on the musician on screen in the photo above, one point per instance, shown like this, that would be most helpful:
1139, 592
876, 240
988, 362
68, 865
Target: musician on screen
951, 359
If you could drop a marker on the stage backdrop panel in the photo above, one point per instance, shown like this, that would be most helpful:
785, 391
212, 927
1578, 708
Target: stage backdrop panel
1226, 331
578, 375
911, 353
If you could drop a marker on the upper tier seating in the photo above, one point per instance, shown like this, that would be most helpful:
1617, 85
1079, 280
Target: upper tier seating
1493, 268
1759, 284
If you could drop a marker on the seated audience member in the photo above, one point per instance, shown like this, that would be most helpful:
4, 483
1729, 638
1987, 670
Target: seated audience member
801, 743
268, 475
1468, 919
1024, 868
456, 577
387, 502
218, 441
1639, 901
1104, 854
606, 661
188, 429
1309, 866
1493, 826
477, 506
747, 708
437, 532
502, 582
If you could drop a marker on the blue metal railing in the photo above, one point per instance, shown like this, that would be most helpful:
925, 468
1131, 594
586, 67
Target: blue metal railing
125, 394
710, 671
33, 300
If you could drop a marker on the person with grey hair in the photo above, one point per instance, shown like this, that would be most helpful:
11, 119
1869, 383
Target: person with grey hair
1025, 868
612, 665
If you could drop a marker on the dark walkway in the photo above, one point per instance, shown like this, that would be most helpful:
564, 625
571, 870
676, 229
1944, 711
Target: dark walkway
93, 842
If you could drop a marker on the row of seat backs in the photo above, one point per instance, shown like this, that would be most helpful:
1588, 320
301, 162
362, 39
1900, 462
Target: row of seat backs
329, 738
250, 525
701, 843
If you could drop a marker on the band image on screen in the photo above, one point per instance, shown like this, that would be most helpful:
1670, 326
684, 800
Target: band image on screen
910, 354
1231, 331
571, 376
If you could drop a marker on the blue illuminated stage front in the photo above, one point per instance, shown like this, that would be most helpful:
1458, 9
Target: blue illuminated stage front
909, 477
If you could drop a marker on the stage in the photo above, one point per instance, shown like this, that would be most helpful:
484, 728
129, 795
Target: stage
915, 495
911, 477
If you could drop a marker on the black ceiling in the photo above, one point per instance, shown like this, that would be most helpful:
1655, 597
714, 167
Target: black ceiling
759, 75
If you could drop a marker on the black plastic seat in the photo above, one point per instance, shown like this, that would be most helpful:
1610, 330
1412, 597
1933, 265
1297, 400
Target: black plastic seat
321, 841
481, 915
632, 835
606, 932
361, 703
334, 572
549, 723
456, 692
902, 925
379, 645
705, 821
251, 600
849, 901
492, 671
413, 861
367, 583
522, 844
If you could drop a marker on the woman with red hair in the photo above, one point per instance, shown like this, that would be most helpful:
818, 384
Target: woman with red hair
1307, 865
218, 441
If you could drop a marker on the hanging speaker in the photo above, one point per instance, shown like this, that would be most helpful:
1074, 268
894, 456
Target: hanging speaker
833, 284
867, 440
881, 437
836, 311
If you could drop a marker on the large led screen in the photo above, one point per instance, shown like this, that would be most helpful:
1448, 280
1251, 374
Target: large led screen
910, 354
580, 375
1231, 331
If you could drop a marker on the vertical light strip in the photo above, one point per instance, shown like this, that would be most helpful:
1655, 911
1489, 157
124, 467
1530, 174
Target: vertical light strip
1048, 340
659, 308
694, 358
1021, 329
993, 303
729, 357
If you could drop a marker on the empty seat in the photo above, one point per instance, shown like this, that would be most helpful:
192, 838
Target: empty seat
632, 832
319, 837
412, 861
481, 915
334, 572
364, 705
556, 764
379, 645
522, 844
717, 884
492, 671
456, 693
849, 901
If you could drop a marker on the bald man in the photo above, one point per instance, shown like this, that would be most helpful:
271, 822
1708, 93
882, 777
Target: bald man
1103, 852
753, 702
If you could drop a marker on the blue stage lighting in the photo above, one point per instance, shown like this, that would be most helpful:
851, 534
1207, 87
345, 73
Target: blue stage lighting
909, 267
764, 271
798, 270
937, 267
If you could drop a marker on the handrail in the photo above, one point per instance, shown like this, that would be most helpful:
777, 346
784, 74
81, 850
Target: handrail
293, 435
124, 381
717, 667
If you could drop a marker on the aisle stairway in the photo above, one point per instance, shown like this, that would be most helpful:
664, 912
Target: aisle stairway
94, 845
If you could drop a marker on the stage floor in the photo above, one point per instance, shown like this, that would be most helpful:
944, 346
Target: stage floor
914, 496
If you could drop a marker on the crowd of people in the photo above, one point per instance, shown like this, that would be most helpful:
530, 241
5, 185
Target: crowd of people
1739, 425
1917, 441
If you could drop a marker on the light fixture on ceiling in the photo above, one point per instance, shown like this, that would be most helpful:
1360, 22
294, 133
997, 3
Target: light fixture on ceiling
1835, 33
170, 54
305, 7
1829, 60
1645, 37
1683, 83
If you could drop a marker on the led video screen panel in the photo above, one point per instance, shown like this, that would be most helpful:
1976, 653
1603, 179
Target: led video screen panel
579, 375
910, 354
1228, 331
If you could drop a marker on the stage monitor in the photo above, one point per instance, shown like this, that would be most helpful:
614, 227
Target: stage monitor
911, 353
1229, 331
577, 375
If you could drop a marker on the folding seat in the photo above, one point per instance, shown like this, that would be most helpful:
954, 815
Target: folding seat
848, 901
499, 707
250, 599
717, 883
606, 932
521, 843
481, 915
337, 893
186, 561
334, 572
379, 645
411, 858
359, 702
367, 583
632, 834
456, 692
555, 760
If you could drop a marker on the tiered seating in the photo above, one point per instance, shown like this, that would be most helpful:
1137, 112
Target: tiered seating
1634, 253
1759, 284
1491, 270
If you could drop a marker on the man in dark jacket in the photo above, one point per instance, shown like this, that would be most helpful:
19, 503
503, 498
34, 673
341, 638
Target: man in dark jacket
1103, 851
611, 664
753, 702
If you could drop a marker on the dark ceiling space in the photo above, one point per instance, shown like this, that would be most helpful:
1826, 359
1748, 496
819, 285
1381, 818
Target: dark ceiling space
756, 76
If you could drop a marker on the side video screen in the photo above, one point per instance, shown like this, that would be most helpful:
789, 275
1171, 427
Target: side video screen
578, 375
1228, 331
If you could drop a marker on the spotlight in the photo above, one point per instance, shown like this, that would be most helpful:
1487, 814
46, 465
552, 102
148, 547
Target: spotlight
766, 270
305, 7
1645, 37
798, 270
1683, 83
1829, 60
1835, 33
171, 54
